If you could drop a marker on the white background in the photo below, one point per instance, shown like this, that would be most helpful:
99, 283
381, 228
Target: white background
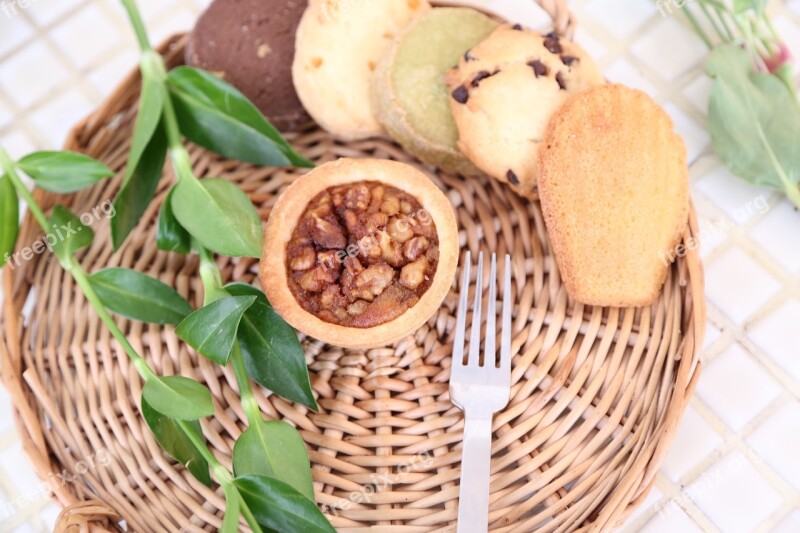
735, 465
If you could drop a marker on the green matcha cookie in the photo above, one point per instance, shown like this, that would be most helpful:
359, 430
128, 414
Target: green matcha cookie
409, 92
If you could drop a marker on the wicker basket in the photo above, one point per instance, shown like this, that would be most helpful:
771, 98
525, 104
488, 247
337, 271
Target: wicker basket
597, 392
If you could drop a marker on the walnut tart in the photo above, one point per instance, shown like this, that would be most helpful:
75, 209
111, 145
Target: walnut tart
360, 253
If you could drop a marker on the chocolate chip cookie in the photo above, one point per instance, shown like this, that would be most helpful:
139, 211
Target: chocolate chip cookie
503, 93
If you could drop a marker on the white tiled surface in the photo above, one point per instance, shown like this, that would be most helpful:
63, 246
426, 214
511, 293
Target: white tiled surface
735, 464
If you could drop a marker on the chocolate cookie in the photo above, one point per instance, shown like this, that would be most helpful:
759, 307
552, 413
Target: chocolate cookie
504, 92
250, 44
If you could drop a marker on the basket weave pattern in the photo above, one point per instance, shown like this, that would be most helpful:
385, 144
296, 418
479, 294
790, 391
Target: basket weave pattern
597, 392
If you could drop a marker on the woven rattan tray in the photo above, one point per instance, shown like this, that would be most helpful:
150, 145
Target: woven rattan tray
597, 392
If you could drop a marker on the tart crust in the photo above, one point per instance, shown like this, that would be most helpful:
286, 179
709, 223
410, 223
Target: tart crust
291, 206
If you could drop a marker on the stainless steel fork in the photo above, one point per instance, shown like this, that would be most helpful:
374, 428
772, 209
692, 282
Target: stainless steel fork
480, 389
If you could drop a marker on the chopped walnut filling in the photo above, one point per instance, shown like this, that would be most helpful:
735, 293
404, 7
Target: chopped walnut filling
362, 254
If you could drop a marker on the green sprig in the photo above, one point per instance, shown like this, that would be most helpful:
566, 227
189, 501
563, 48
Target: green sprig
754, 114
176, 402
272, 486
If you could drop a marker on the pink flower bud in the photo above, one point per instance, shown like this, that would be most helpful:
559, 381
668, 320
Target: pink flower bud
778, 59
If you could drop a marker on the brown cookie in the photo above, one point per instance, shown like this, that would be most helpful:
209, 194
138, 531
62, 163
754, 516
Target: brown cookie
614, 189
250, 44
504, 92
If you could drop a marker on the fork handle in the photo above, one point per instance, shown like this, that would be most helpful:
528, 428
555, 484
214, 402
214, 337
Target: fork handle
473, 499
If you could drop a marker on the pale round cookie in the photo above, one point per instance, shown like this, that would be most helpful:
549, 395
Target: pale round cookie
409, 94
614, 189
338, 46
503, 93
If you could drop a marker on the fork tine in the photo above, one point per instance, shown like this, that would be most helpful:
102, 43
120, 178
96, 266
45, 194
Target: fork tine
461, 319
475, 336
489, 355
505, 347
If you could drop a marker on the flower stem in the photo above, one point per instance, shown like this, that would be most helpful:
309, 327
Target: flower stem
721, 11
712, 21
697, 28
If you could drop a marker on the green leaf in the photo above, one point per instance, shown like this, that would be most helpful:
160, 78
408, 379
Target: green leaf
740, 6
754, 122
68, 233
148, 117
211, 331
172, 438
215, 115
63, 172
279, 507
274, 449
178, 397
145, 162
230, 523
219, 215
272, 354
139, 297
9, 218
171, 237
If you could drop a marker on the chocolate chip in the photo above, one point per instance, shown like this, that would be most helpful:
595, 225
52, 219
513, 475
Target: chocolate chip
553, 45
468, 56
512, 177
539, 68
482, 75
517, 27
461, 94
561, 83
552, 35
569, 60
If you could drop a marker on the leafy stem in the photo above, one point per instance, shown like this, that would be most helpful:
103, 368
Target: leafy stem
75, 269
222, 474
138, 25
247, 513
210, 275
82, 279
10, 169
249, 403
80, 276
214, 290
